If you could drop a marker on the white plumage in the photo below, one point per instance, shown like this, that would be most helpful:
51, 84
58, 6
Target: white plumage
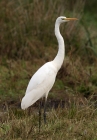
43, 80
39, 85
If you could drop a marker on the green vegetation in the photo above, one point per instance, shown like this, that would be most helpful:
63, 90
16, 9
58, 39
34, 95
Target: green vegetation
27, 41
74, 123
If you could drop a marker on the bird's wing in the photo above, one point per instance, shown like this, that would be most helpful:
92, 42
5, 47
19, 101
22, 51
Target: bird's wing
39, 85
41, 76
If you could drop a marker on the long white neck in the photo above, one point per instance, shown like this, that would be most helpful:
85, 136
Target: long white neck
60, 55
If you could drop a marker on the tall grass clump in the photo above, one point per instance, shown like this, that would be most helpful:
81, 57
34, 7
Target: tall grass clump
28, 25
72, 123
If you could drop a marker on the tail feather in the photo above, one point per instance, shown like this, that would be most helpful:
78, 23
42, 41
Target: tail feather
30, 98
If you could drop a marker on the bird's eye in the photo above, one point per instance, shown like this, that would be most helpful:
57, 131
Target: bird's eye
62, 18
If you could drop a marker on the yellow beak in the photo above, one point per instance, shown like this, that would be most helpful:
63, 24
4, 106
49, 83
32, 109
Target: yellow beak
71, 19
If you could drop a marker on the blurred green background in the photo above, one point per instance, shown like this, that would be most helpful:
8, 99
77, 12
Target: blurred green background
28, 23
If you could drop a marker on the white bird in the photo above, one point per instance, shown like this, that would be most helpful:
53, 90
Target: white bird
43, 80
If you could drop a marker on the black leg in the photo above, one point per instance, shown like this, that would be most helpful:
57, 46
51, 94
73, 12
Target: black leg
44, 114
40, 105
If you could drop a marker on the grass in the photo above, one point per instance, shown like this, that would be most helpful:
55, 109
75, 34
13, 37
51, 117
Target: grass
69, 123
27, 25
26, 42
77, 118
15, 76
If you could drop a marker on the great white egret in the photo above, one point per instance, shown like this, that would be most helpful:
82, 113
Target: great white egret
43, 80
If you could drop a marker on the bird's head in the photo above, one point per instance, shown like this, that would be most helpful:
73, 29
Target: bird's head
62, 19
